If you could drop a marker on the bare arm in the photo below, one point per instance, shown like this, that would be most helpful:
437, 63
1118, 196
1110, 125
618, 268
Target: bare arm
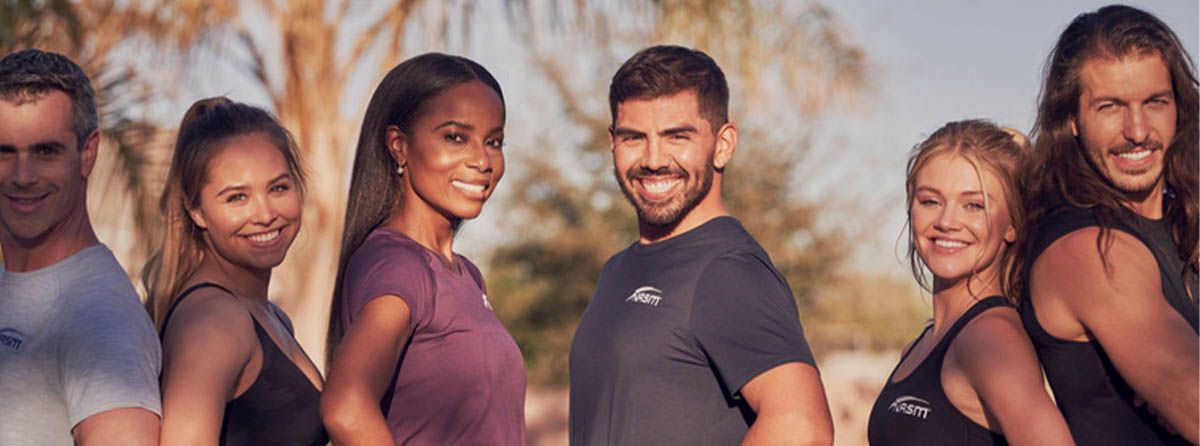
208, 343
129, 426
1000, 364
789, 401
1121, 306
361, 372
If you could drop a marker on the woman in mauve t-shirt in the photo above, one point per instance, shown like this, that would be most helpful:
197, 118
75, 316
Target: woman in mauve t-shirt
417, 356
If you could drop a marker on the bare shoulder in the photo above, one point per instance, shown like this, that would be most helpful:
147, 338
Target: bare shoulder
1086, 275
210, 319
993, 335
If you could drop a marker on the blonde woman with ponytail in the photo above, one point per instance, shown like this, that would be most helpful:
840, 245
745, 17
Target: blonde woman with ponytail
971, 378
233, 373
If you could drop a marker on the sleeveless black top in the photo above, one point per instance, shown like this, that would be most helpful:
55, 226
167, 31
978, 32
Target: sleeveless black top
280, 406
916, 410
1096, 402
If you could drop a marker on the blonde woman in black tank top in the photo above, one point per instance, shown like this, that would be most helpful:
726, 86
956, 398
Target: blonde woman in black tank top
972, 377
233, 373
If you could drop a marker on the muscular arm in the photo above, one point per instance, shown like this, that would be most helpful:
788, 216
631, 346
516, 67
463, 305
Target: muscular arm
1121, 306
361, 372
790, 405
1000, 364
207, 344
129, 426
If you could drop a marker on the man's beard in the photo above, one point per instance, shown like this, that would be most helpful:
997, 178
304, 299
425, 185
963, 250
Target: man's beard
667, 212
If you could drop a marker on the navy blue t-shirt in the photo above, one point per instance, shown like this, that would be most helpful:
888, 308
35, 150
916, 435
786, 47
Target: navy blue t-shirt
674, 331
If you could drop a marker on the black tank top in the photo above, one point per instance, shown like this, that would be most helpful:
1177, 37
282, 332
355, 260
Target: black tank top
916, 410
279, 408
1096, 402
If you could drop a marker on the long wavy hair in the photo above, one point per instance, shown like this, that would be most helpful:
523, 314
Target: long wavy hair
205, 127
1060, 172
987, 147
375, 187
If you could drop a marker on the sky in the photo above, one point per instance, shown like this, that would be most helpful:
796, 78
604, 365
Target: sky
935, 62
931, 62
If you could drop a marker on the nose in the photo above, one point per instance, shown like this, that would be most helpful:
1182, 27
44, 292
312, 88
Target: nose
947, 219
24, 172
261, 211
654, 157
480, 159
1136, 131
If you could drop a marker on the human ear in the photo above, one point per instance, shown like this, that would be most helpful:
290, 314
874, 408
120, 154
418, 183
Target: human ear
87, 153
198, 218
397, 145
1074, 127
727, 137
1011, 234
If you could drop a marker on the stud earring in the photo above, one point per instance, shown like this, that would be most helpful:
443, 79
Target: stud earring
400, 170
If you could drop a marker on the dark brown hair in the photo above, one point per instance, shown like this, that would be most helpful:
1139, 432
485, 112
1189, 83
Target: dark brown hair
375, 188
1061, 173
205, 127
665, 70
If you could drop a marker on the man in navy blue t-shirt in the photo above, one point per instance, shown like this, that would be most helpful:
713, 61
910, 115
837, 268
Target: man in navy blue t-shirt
692, 336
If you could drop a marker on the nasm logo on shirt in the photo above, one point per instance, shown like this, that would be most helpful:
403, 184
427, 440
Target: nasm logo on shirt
911, 406
647, 295
11, 338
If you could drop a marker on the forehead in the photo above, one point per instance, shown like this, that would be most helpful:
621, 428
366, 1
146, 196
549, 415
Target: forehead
662, 112
468, 100
32, 119
1134, 76
952, 174
245, 158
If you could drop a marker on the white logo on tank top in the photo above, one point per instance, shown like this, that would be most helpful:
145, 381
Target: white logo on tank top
645, 295
911, 406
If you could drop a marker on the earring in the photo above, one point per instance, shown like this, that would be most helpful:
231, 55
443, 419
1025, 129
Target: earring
400, 170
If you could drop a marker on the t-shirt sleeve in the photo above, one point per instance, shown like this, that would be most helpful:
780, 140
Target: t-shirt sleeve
110, 357
745, 319
383, 267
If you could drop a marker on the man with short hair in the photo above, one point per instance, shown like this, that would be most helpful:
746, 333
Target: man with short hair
692, 336
79, 359
1110, 272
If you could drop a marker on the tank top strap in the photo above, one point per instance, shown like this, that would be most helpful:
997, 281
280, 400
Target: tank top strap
185, 294
979, 307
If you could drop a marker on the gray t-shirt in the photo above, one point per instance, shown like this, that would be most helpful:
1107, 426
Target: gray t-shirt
674, 331
74, 342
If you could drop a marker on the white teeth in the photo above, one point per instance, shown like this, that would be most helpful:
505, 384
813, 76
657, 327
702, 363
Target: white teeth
265, 237
949, 243
1134, 156
658, 186
469, 187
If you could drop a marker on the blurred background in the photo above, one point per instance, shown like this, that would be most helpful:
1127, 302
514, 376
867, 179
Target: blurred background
829, 98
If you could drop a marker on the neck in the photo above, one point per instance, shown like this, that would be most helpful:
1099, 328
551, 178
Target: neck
70, 236
952, 298
245, 282
1148, 204
427, 227
712, 206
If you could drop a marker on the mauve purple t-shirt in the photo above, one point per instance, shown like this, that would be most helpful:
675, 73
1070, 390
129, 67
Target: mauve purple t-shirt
460, 379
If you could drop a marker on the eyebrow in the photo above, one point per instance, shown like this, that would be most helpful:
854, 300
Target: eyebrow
453, 123
678, 130
240, 187
935, 191
1098, 99
622, 131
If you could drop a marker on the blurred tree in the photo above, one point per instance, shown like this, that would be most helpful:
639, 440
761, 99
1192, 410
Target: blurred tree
787, 63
